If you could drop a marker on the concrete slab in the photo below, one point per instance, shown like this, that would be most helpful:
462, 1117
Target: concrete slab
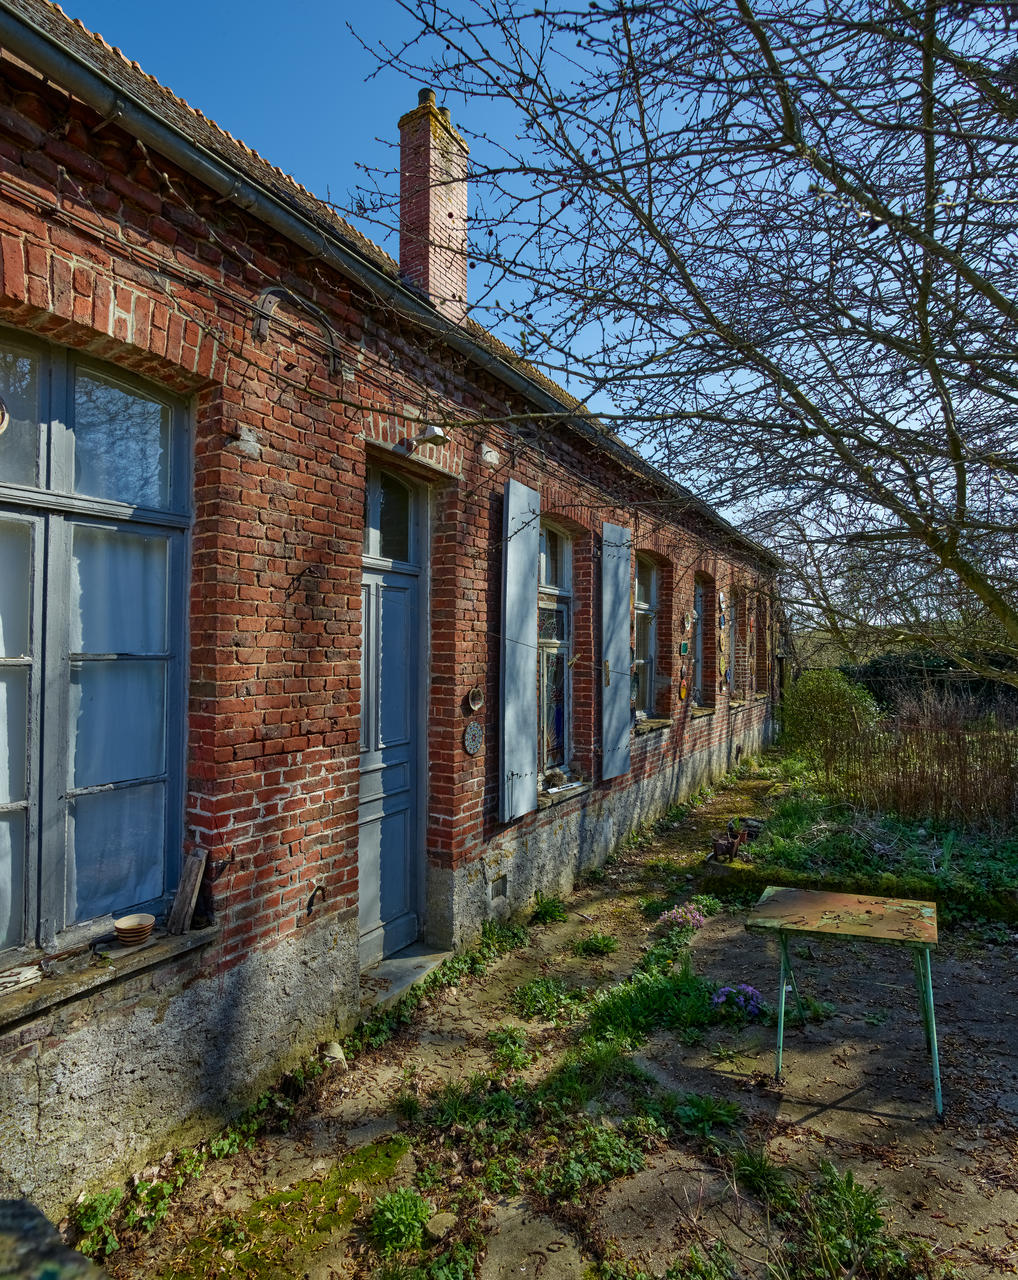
525, 1244
383, 985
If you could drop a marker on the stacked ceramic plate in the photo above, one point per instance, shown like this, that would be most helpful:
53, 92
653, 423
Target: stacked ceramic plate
133, 930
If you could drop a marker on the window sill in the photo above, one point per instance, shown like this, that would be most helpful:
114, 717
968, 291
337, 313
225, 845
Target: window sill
701, 713
651, 724
547, 799
25, 1003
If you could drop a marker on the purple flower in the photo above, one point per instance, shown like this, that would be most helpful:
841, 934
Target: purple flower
682, 917
741, 1000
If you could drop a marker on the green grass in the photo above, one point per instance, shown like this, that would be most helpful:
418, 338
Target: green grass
657, 997
811, 840
587, 1073
545, 998
757, 1173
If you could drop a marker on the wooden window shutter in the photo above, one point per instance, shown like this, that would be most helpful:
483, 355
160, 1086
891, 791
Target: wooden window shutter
518, 727
616, 553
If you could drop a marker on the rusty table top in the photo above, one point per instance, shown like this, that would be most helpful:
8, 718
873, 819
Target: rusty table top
845, 915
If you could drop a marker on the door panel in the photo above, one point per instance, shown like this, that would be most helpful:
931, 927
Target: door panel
388, 782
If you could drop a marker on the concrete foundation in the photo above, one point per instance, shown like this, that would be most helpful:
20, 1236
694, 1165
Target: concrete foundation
162, 1059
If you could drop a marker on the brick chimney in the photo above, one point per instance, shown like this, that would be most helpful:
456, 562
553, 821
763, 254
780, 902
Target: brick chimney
433, 206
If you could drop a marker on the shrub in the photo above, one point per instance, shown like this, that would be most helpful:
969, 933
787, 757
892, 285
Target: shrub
820, 713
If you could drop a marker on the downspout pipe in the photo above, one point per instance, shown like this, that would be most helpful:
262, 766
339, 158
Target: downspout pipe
30, 44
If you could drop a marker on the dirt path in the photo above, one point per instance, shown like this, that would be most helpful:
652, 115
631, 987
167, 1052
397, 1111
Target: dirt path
856, 1091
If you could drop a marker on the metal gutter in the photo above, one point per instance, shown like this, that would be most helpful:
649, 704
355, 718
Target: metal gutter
35, 47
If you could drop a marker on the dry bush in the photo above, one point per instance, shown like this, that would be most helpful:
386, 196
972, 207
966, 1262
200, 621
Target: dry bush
945, 758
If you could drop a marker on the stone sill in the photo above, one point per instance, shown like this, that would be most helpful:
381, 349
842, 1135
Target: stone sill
651, 724
25, 1003
701, 713
546, 800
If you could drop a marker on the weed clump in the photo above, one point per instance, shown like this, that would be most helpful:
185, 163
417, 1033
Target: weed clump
549, 910
596, 1155
546, 998
397, 1221
595, 944
509, 1049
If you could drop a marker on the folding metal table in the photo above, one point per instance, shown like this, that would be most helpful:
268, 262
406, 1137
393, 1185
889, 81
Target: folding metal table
817, 913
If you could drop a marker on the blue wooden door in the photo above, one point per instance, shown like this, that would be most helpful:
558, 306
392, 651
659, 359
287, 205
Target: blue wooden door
388, 843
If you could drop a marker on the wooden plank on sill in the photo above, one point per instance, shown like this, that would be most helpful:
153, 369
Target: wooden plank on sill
187, 893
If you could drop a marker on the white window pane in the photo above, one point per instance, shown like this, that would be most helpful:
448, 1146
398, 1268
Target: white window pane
121, 444
19, 427
12, 878
115, 840
15, 579
117, 721
118, 591
13, 733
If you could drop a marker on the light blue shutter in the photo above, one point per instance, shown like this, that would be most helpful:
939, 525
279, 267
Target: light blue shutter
521, 547
616, 551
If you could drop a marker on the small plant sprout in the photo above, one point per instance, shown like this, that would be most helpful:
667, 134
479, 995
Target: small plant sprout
92, 1217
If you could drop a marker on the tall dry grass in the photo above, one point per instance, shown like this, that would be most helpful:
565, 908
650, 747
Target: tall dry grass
944, 758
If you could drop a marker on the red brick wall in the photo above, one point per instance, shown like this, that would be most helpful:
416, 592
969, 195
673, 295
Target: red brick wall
110, 250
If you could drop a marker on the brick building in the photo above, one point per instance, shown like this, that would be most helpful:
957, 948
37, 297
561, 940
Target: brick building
300, 568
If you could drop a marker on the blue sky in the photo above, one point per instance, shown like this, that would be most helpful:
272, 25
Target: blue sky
294, 83
289, 79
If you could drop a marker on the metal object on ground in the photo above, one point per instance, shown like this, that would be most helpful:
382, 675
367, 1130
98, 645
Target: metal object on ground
897, 921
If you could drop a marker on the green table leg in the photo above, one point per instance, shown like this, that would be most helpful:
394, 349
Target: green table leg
920, 986
931, 1026
791, 974
781, 1008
